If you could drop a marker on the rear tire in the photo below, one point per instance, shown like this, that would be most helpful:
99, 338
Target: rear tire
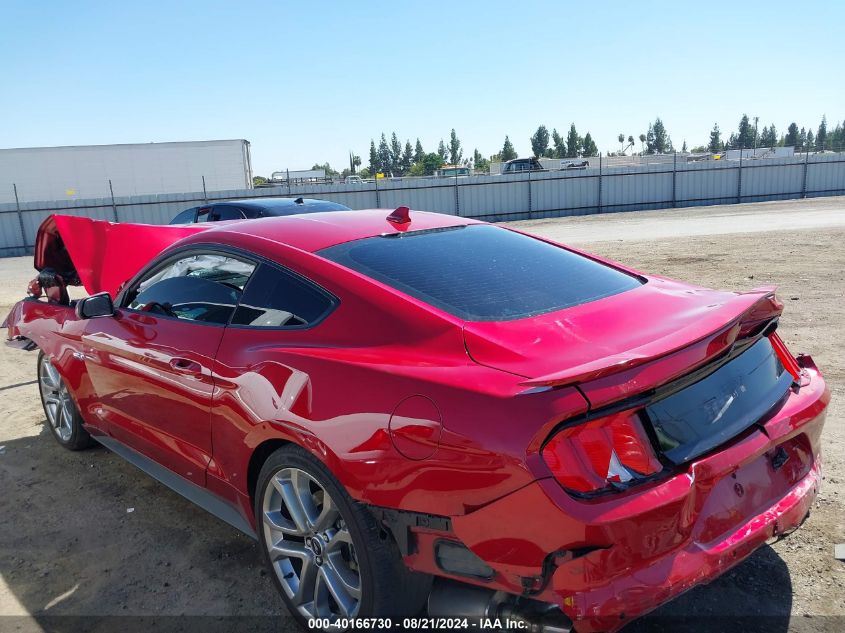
63, 418
328, 555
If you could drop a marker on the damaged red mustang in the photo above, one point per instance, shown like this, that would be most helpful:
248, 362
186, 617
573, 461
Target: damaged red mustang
418, 413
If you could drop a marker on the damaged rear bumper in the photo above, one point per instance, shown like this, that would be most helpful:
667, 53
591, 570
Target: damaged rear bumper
614, 604
608, 560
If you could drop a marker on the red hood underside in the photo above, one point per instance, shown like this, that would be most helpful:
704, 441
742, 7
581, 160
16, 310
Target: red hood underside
611, 335
102, 254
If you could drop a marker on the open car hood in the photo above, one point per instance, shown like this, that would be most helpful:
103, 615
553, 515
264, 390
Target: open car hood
98, 254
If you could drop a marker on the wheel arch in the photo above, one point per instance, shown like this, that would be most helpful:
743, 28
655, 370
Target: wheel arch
71, 370
257, 459
278, 438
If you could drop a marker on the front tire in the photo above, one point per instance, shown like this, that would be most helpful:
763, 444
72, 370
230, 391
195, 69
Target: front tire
329, 556
63, 418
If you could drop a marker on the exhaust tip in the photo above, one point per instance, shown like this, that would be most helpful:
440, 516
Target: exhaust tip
451, 599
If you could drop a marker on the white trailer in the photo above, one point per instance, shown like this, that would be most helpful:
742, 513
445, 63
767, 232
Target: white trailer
99, 171
760, 152
298, 175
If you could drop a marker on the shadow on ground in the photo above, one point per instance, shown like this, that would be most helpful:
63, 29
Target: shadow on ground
89, 543
754, 597
86, 537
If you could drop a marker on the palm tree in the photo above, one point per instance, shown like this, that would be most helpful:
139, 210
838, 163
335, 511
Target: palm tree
621, 140
642, 143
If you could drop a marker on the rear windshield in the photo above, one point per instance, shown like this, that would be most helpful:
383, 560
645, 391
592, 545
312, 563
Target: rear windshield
482, 272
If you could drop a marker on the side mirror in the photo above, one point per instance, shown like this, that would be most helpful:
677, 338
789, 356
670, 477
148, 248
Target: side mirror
98, 305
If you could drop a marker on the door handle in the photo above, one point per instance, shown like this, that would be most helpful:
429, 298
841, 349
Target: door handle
185, 366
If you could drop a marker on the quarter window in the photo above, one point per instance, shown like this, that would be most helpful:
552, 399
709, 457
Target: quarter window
277, 298
201, 287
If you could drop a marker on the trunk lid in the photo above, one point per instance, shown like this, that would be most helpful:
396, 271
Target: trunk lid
623, 344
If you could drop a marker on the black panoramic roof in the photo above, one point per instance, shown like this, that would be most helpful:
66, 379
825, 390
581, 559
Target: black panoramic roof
481, 272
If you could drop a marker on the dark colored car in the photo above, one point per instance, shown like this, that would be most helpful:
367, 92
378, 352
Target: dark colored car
518, 165
574, 164
251, 208
427, 409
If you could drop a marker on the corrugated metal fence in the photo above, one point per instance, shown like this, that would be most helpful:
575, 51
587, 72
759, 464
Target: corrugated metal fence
511, 197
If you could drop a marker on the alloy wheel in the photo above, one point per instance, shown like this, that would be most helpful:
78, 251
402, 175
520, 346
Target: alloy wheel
310, 546
58, 404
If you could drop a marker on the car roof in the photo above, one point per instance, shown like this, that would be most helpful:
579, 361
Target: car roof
316, 231
281, 203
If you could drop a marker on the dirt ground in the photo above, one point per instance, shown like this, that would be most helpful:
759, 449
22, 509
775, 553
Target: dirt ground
86, 534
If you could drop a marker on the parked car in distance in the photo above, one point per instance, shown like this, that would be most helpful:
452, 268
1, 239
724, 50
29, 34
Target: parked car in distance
353, 180
452, 171
574, 164
402, 416
518, 165
251, 208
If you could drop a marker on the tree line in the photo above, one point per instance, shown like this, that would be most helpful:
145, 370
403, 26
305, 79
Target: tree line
391, 157
804, 139
571, 146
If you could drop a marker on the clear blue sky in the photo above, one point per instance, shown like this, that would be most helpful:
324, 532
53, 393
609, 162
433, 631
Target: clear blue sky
307, 82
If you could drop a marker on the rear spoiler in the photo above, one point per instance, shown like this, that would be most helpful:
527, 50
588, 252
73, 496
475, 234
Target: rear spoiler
759, 308
101, 255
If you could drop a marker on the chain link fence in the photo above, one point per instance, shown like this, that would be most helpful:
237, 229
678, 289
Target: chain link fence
605, 185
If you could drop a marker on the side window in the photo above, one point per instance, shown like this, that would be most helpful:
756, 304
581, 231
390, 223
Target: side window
203, 214
276, 298
225, 212
185, 217
201, 287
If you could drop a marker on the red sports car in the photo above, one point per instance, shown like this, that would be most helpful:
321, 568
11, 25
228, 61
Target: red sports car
420, 414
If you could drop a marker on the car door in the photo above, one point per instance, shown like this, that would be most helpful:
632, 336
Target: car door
151, 364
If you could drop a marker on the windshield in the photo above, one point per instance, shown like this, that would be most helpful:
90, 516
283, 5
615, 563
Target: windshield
482, 272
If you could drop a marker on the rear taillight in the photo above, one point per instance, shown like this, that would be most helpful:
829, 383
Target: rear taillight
602, 454
785, 358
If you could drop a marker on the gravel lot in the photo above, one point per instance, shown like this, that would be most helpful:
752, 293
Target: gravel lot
86, 534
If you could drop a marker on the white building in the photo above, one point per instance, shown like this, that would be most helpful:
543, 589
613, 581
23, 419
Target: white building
84, 171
